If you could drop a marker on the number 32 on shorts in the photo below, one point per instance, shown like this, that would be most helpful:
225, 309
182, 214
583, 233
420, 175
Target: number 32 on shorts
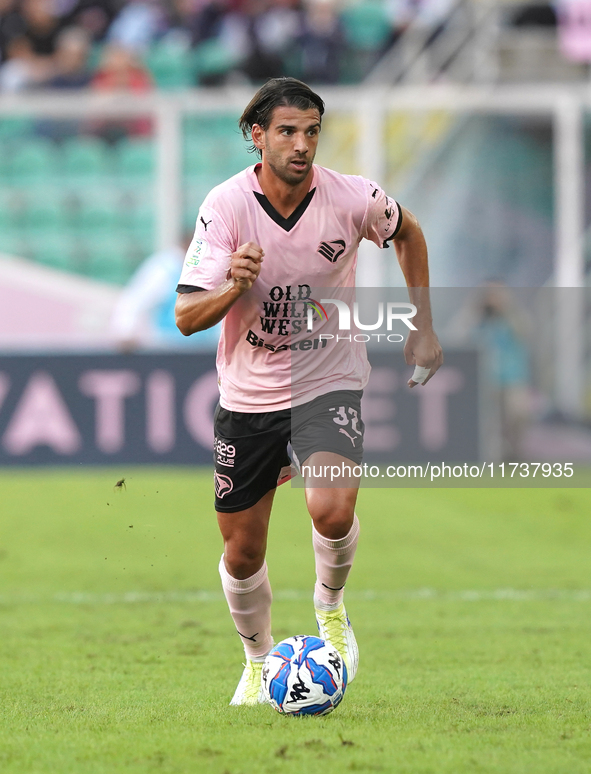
349, 418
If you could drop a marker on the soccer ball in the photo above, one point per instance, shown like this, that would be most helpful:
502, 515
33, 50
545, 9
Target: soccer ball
304, 675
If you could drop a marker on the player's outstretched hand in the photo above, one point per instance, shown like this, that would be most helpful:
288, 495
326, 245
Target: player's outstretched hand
423, 350
245, 265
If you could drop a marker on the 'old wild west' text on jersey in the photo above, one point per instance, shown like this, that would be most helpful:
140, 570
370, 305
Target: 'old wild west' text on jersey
264, 360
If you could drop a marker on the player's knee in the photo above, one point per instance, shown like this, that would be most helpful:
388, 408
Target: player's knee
332, 520
243, 561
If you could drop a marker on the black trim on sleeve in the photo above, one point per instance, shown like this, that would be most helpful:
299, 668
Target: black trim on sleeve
286, 223
397, 229
189, 289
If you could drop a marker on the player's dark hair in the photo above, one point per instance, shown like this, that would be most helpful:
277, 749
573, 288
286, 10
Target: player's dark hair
277, 92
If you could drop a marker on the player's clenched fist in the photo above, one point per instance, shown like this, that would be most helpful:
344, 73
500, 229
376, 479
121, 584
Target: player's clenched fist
245, 265
423, 350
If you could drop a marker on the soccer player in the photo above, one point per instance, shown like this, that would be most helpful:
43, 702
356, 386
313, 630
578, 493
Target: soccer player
263, 239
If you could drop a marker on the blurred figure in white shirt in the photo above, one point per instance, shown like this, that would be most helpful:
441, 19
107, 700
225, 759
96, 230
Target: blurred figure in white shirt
143, 318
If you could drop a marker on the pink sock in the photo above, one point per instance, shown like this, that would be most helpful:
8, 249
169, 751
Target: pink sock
249, 601
334, 559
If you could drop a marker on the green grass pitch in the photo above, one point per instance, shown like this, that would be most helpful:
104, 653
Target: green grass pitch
472, 610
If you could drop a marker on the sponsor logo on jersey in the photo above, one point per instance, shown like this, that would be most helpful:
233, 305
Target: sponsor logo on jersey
223, 485
285, 312
199, 250
303, 344
332, 251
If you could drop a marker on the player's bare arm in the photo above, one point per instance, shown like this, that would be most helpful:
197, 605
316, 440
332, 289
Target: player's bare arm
422, 346
201, 310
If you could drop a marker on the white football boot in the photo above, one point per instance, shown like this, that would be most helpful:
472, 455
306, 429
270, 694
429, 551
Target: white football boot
334, 626
250, 687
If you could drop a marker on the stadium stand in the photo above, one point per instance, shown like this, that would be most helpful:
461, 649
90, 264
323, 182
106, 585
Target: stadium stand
109, 259
83, 181
134, 159
85, 160
32, 162
56, 252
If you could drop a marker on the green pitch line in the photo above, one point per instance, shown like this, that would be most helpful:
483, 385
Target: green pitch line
472, 611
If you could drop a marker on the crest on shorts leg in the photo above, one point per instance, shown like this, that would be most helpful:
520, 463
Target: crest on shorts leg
223, 485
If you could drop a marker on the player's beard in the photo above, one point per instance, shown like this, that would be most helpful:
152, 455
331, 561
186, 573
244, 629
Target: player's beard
280, 167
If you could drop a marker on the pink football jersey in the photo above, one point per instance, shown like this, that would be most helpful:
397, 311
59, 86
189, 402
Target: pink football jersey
267, 358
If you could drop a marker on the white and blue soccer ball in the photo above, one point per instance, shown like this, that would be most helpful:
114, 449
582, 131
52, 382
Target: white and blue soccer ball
304, 675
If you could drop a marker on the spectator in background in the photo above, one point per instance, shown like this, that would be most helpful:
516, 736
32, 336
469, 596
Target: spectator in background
70, 61
493, 319
22, 68
219, 32
69, 70
262, 38
41, 25
183, 20
29, 30
95, 16
138, 25
250, 34
280, 27
121, 70
11, 25
321, 42
210, 19
66, 69
143, 317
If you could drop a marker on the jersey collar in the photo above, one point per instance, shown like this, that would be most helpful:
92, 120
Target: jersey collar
286, 223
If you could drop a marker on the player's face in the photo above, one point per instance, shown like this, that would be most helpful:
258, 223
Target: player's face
289, 144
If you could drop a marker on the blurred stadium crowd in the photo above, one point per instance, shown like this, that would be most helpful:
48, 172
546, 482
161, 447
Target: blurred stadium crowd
140, 44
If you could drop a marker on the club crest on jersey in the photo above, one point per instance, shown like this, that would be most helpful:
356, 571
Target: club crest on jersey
223, 484
332, 251
198, 250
